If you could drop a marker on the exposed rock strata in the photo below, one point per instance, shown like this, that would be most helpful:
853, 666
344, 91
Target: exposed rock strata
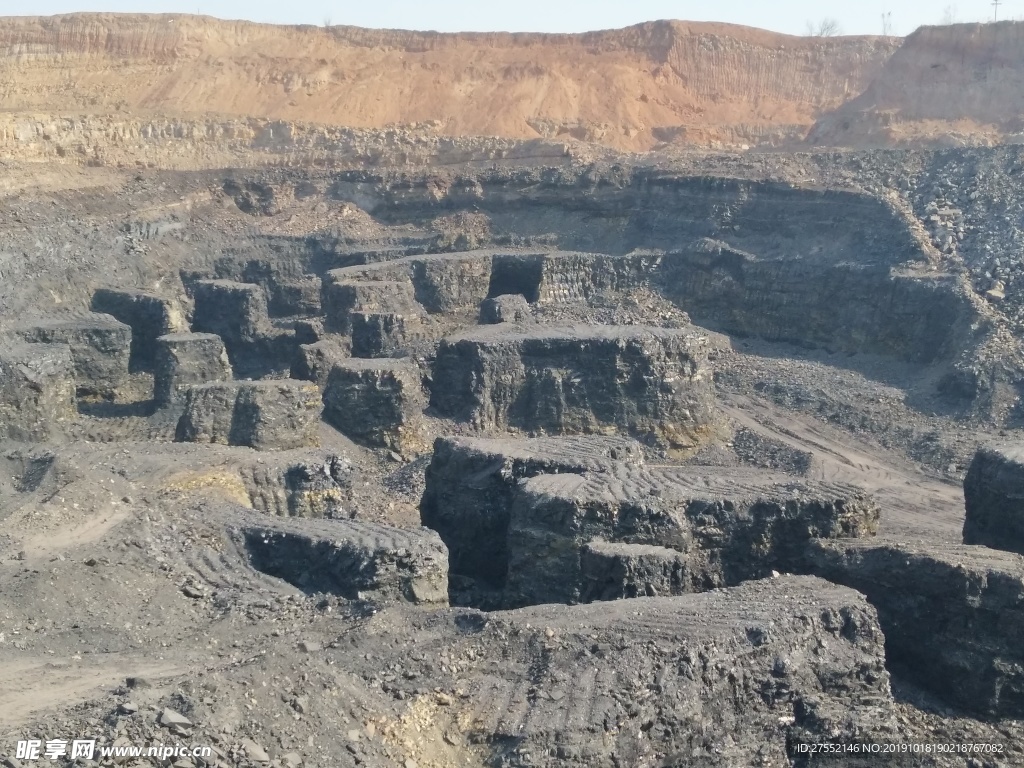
994, 495
728, 526
951, 615
37, 390
471, 484
265, 415
99, 344
378, 402
183, 359
360, 561
149, 316
649, 383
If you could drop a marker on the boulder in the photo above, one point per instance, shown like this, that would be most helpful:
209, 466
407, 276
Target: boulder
508, 308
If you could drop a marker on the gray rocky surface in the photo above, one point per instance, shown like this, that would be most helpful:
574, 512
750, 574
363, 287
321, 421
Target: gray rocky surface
383, 334
471, 484
676, 694
729, 526
651, 383
379, 402
507, 308
100, 348
874, 306
343, 295
315, 360
149, 316
949, 613
237, 312
359, 561
37, 390
614, 571
183, 359
994, 496
265, 415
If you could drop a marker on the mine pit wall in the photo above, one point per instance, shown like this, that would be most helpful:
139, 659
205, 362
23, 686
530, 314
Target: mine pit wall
814, 267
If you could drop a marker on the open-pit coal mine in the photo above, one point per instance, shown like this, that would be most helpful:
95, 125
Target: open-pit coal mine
518, 439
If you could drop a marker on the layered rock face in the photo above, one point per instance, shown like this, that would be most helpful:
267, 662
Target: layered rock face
651, 383
99, 344
809, 655
37, 390
951, 615
183, 359
238, 313
526, 515
359, 561
148, 315
945, 84
728, 527
378, 402
265, 415
471, 484
727, 79
994, 495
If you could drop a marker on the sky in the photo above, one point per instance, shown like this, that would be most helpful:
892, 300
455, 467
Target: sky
790, 16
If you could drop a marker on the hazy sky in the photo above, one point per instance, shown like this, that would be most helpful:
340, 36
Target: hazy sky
859, 17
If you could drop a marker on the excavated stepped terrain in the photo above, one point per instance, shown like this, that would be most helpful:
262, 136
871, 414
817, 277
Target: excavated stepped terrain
409, 450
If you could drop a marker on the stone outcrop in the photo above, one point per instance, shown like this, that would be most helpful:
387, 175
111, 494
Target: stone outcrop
650, 383
359, 561
611, 571
525, 515
148, 315
315, 360
237, 312
951, 615
994, 496
734, 677
265, 415
471, 484
100, 348
378, 402
183, 359
507, 308
342, 296
384, 334
728, 526
37, 390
